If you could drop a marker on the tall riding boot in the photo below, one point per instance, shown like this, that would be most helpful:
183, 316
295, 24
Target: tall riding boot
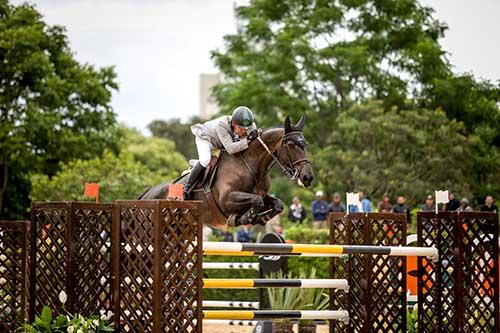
193, 176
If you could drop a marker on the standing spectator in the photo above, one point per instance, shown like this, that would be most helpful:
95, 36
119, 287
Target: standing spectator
364, 205
385, 205
336, 205
452, 204
464, 206
402, 208
429, 204
245, 234
297, 212
319, 209
489, 205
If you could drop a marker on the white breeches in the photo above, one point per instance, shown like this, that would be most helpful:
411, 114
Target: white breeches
204, 151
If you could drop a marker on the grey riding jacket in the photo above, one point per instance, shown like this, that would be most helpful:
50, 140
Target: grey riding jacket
220, 135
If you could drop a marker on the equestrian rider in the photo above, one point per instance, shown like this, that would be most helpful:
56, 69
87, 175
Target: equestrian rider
231, 133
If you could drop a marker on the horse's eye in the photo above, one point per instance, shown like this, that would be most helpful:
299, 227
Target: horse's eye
291, 144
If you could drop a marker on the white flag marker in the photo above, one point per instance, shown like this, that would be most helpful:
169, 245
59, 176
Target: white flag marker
441, 197
352, 199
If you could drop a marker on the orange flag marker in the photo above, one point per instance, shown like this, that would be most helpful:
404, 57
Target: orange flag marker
175, 191
92, 190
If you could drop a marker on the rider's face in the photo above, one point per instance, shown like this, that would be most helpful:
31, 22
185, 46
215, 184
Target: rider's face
240, 131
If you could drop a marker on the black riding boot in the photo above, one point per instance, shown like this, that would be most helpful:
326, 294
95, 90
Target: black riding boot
193, 176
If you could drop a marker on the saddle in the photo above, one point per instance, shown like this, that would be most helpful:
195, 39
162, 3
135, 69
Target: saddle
219, 219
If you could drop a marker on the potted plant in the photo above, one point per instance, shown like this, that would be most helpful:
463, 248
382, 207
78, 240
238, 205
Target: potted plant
283, 299
311, 299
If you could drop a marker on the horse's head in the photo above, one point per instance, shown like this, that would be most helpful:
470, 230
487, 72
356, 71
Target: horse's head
292, 152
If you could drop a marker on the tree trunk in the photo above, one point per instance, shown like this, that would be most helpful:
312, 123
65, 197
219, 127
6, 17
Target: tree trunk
3, 182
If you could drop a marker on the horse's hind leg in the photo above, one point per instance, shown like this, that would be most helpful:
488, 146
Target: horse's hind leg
240, 201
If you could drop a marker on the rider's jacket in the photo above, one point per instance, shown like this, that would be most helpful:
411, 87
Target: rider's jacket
220, 135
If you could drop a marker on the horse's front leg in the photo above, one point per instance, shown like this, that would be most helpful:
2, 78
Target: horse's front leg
248, 203
272, 208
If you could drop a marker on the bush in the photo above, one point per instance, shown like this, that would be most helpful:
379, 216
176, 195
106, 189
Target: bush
66, 324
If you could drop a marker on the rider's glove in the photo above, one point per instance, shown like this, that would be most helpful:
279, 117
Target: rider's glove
252, 135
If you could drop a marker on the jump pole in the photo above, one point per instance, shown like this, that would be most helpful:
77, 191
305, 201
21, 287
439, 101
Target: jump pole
249, 249
231, 304
275, 283
276, 314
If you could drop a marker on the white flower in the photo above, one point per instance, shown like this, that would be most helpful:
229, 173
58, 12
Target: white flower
3, 280
63, 297
79, 331
3, 257
95, 322
71, 329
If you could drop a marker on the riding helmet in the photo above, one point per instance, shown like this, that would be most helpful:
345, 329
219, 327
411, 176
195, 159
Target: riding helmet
243, 116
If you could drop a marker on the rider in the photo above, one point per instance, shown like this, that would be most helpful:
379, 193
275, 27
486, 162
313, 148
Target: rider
232, 133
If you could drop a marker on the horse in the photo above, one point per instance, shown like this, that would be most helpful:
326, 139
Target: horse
238, 193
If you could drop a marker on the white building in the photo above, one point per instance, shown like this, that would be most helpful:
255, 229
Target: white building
208, 104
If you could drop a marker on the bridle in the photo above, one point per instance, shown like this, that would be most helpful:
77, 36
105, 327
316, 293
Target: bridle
290, 170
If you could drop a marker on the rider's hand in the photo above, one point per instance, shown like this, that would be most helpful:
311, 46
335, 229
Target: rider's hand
252, 135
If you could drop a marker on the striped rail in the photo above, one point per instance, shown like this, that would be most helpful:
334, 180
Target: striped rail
275, 283
231, 265
251, 249
231, 322
231, 304
276, 314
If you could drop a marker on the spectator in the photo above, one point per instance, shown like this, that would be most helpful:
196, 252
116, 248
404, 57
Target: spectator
364, 205
336, 205
429, 204
245, 234
226, 235
385, 205
464, 206
452, 204
319, 209
297, 212
489, 205
402, 208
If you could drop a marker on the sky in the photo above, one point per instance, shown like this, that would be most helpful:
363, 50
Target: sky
159, 47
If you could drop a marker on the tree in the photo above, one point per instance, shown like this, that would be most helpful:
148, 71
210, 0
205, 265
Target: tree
52, 108
141, 163
409, 152
320, 56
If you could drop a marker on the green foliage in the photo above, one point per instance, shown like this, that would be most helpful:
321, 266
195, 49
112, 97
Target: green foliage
322, 57
412, 320
304, 235
408, 152
52, 108
66, 324
142, 162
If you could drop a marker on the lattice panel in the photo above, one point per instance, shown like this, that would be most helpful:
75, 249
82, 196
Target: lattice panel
181, 255
49, 237
92, 258
377, 297
136, 269
459, 293
13, 278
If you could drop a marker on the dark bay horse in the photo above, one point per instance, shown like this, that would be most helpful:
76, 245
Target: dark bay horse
241, 182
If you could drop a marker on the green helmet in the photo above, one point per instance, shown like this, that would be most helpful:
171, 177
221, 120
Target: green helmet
243, 116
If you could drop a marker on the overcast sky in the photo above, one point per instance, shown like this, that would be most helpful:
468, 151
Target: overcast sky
159, 47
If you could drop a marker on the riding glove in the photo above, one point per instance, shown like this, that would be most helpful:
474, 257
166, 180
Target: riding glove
252, 135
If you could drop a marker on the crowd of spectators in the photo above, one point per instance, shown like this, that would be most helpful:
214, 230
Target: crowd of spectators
320, 208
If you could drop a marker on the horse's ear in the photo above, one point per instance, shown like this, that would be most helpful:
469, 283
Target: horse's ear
288, 127
301, 123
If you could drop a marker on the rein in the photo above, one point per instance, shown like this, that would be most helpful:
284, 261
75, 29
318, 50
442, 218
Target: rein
291, 172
